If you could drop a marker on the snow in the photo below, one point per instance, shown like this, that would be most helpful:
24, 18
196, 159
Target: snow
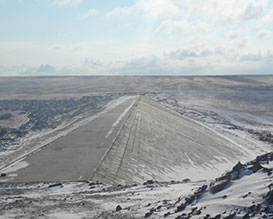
35, 141
81, 200
84, 200
255, 184
119, 119
65, 215
11, 170
212, 111
16, 166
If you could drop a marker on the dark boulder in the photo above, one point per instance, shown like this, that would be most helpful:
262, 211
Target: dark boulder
181, 207
219, 186
269, 197
149, 182
256, 166
3, 175
55, 185
118, 208
238, 167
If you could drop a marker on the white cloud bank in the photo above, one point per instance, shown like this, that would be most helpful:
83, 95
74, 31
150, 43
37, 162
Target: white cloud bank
91, 12
184, 37
149, 8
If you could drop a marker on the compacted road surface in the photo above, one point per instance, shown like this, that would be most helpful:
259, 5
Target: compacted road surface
76, 155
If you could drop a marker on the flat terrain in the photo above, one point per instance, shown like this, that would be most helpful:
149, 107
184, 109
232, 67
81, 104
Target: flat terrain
149, 145
180, 127
76, 155
150, 142
52, 87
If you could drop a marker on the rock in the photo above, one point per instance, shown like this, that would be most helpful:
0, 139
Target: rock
219, 186
189, 200
148, 214
244, 196
167, 214
158, 207
200, 191
149, 182
269, 197
246, 216
266, 209
99, 183
256, 166
238, 167
252, 208
198, 212
181, 207
118, 208
231, 216
227, 176
193, 210
92, 183
55, 185
236, 170
186, 180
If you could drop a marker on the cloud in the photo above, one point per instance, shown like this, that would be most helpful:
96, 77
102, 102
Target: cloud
143, 66
268, 18
182, 26
26, 70
240, 43
12, 70
45, 68
257, 57
233, 35
224, 10
66, 2
215, 61
92, 62
87, 67
149, 8
261, 34
89, 13
252, 11
40, 70
203, 27
182, 54
171, 26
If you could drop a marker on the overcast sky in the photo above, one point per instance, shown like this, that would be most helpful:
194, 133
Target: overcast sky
170, 37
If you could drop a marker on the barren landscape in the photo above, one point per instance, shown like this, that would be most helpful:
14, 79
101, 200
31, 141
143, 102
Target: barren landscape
134, 147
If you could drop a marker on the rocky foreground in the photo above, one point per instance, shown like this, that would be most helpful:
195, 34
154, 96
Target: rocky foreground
244, 192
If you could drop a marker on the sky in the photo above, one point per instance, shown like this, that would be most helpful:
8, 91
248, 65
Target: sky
135, 37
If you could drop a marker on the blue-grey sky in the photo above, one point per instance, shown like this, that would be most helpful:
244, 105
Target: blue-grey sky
171, 37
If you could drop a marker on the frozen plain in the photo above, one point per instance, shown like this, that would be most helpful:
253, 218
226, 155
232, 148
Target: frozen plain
223, 108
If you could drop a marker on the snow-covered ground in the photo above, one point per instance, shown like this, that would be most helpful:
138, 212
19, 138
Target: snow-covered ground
244, 192
231, 114
239, 117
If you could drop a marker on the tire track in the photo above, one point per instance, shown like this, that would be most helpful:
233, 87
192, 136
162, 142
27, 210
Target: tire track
148, 147
101, 168
126, 146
